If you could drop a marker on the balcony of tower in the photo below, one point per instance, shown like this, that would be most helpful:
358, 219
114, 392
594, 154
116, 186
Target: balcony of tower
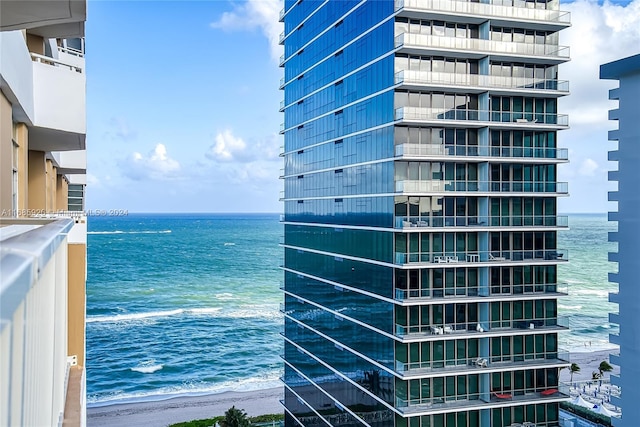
481, 188
453, 259
478, 83
475, 48
484, 400
482, 365
480, 329
426, 223
522, 16
474, 118
476, 294
477, 153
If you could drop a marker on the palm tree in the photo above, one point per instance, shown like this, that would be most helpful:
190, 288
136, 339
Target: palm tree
235, 418
594, 375
574, 368
604, 367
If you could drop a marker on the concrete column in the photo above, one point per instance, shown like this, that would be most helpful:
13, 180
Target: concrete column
6, 157
22, 138
37, 181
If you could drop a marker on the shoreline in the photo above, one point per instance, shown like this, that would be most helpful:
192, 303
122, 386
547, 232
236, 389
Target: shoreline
161, 413
164, 410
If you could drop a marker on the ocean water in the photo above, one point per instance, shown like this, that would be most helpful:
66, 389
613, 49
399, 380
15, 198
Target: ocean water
187, 304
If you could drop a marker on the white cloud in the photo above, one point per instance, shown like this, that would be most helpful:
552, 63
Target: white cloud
157, 165
255, 14
588, 167
119, 128
599, 34
231, 148
227, 147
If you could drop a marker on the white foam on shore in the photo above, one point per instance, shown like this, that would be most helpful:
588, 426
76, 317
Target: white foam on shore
147, 369
130, 232
570, 307
246, 312
133, 316
596, 292
188, 390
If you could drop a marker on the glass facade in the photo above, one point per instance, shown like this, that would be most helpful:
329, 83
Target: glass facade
420, 186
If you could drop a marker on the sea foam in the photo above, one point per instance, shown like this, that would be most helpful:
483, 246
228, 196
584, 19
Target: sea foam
147, 369
130, 232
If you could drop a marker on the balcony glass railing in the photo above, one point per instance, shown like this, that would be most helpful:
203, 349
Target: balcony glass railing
462, 114
452, 257
530, 323
486, 9
439, 186
427, 41
560, 391
476, 327
476, 362
476, 80
458, 399
440, 150
420, 221
475, 291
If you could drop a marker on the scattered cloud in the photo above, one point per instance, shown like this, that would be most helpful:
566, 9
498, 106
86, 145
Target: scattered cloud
119, 128
157, 165
231, 148
227, 147
598, 34
255, 14
588, 167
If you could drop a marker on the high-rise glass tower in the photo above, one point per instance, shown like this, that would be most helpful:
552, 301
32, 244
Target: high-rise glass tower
420, 256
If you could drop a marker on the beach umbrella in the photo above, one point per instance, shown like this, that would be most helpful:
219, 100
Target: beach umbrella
578, 400
604, 411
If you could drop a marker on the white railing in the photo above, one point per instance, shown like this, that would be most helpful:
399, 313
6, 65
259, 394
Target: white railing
444, 186
33, 321
511, 118
454, 257
448, 150
55, 62
478, 80
487, 9
434, 221
426, 41
71, 51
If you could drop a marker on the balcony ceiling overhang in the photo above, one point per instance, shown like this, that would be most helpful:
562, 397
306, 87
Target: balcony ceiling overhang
44, 139
46, 18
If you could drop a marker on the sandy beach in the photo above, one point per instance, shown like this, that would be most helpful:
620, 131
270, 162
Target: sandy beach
588, 363
165, 412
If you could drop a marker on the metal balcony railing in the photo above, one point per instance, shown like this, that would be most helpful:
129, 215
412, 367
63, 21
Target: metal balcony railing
450, 150
446, 330
442, 186
518, 118
446, 293
478, 361
480, 81
429, 42
453, 257
550, 392
486, 9
432, 221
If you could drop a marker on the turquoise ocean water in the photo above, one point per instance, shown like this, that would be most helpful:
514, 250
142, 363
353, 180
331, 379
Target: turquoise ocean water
187, 304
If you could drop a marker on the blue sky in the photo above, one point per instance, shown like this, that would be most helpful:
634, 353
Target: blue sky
182, 104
